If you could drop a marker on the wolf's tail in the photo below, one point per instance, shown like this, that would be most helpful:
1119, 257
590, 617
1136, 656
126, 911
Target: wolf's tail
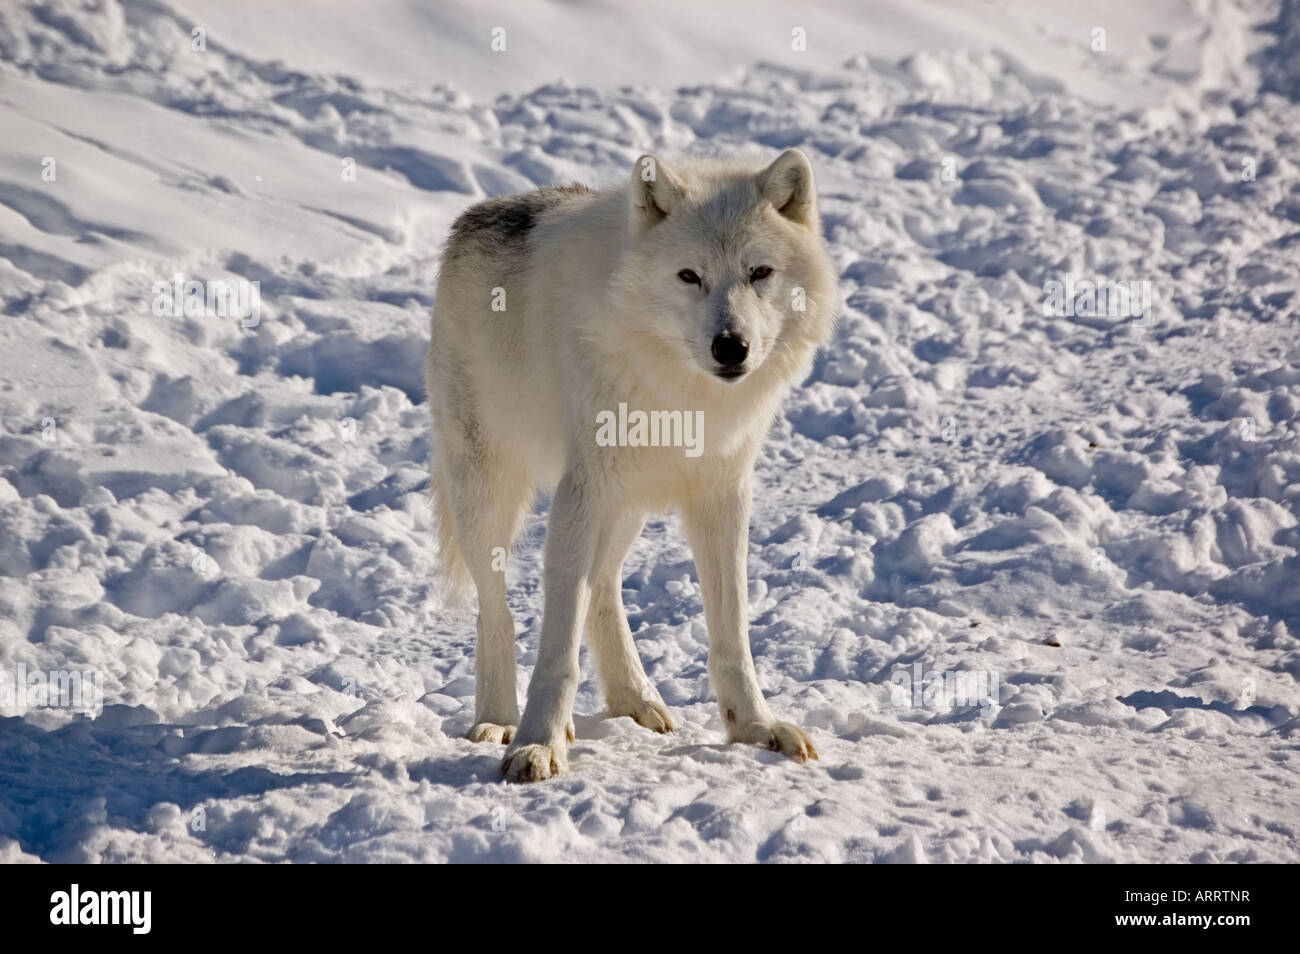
452, 568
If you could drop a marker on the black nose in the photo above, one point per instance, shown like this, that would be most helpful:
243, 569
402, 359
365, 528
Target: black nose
730, 350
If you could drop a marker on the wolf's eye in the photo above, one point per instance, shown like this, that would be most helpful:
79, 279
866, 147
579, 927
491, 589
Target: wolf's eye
688, 276
760, 273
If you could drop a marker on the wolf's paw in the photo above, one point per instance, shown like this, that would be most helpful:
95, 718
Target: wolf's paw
491, 732
783, 737
648, 710
533, 763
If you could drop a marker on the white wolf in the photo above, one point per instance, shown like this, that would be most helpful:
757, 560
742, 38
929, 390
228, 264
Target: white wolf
702, 287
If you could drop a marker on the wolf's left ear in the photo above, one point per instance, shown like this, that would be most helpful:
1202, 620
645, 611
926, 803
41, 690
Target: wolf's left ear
789, 185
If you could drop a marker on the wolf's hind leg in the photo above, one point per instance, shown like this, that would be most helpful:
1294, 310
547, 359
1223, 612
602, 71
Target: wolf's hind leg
489, 498
628, 690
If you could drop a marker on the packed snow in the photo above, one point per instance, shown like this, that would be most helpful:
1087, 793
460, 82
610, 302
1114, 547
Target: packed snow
1030, 580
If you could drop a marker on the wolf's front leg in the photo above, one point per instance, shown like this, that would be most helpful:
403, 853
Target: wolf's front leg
574, 535
717, 528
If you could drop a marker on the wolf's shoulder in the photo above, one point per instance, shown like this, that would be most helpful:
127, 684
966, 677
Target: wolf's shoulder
505, 222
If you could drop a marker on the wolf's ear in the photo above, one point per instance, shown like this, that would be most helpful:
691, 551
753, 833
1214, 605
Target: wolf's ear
789, 185
655, 190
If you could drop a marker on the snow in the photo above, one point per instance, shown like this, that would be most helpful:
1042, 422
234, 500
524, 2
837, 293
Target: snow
227, 518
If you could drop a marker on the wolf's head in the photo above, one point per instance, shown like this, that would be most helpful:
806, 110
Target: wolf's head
726, 259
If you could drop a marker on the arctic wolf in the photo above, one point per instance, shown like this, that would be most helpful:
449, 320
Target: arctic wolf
702, 288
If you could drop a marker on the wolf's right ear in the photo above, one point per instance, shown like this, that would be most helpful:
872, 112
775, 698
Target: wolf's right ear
655, 190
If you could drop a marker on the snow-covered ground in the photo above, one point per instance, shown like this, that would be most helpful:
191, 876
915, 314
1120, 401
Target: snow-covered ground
1093, 516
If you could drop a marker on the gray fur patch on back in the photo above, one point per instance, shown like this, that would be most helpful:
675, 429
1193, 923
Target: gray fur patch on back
500, 227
